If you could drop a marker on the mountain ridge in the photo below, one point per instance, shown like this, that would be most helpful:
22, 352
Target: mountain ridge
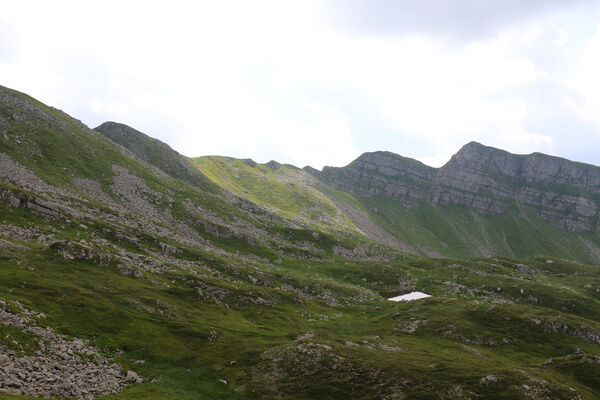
153, 151
473, 144
483, 172
446, 211
413, 170
121, 278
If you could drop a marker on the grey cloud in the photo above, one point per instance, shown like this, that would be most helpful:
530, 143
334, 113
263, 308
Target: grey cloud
458, 19
547, 115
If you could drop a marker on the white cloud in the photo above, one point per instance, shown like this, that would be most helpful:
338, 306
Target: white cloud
279, 80
586, 81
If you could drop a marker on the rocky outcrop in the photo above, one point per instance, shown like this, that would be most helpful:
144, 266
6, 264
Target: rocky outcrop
81, 251
489, 181
53, 365
381, 173
587, 334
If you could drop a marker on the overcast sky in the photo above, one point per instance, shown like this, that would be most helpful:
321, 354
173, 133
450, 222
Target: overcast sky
318, 82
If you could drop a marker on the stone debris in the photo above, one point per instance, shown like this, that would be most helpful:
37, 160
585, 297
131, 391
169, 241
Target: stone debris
367, 252
585, 333
58, 367
20, 233
24, 177
411, 326
525, 269
489, 378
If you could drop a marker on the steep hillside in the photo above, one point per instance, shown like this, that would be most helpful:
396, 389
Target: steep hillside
122, 279
483, 202
293, 194
382, 173
154, 152
562, 192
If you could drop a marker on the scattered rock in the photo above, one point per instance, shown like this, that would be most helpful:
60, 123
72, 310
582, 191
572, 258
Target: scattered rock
55, 368
525, 269
131, 377
489, 378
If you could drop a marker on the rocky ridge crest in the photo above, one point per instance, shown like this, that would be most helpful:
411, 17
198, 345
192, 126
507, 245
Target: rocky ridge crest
485, 179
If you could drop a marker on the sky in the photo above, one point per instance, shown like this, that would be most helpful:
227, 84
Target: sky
318, 82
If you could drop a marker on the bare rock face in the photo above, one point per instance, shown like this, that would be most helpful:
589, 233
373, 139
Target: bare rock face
467, 179
489, 181
382, 173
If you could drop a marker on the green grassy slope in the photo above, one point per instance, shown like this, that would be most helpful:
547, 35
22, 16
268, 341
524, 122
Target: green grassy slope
208, 295
322, 329
438, 231
60, 151
458, 232
285, 190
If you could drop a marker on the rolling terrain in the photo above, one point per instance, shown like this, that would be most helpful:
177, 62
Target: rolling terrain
128, 271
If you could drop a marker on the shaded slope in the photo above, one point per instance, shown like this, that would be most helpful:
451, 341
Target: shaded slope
154, 152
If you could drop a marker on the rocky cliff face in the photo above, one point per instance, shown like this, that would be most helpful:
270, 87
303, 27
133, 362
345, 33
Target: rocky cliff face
489, 181
382, 173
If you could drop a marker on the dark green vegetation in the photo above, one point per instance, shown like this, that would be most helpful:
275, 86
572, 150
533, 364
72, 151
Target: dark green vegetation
235, 280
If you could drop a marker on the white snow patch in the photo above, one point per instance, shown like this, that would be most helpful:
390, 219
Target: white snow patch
410, 296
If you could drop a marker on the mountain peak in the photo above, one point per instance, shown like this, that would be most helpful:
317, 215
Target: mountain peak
112, 124
473, 145
124, 134
154, 152
475, 148
274, 165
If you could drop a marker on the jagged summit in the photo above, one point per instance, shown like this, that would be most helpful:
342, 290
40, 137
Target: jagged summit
473, 153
